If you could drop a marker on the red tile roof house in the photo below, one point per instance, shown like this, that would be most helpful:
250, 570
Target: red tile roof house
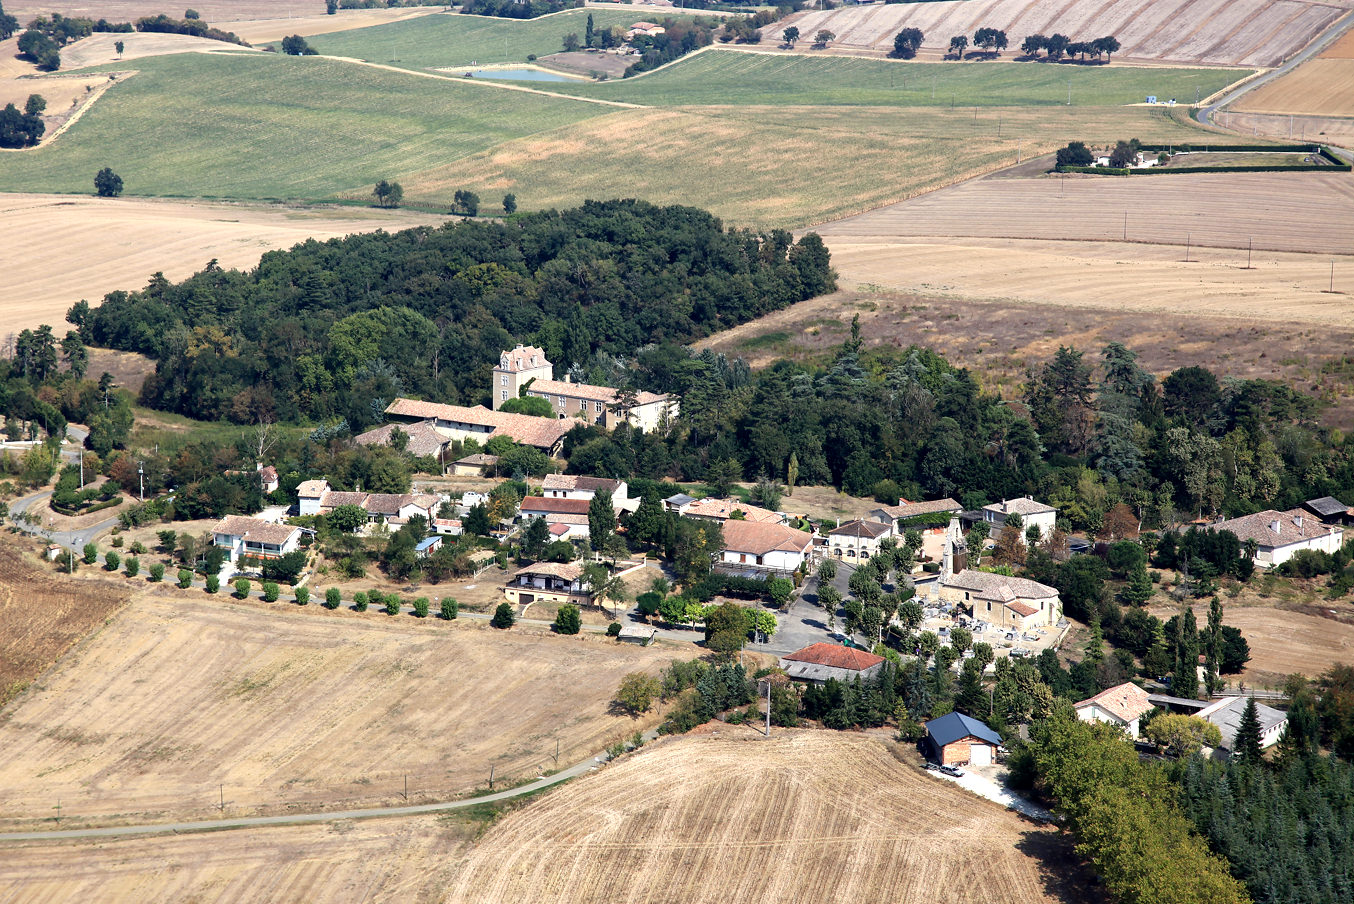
1122, 705
772, 546
548, 582
820, 661
857, 541
570, 512
481, 424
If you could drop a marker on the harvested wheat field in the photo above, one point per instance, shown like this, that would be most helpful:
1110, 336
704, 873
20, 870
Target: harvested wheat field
1319, 87
805, 816
345, 862
1217, 32
269, 27
43, 614
212, 11
1325, 129
288, 707
123, 241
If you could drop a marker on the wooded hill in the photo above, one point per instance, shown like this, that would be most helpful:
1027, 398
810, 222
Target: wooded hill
336, 329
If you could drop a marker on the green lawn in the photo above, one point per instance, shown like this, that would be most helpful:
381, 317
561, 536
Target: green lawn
271, 126
734, 77
437, 41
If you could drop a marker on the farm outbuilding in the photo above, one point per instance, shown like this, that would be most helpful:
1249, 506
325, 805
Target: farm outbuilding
959, 740
820, 662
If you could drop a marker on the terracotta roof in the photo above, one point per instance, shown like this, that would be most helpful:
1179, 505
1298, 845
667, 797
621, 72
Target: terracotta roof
758, 538
1294, 526
520, 358
558, 529
1022, 506
424, 440
866, 530
268, 473
913, 509
577, 482
836, 656
565, 571
999, 587
335, 498
581, 520
723, 509
480, 459
542, 432
546, 505
1021, 609
254, 529
1123, 701
312, 489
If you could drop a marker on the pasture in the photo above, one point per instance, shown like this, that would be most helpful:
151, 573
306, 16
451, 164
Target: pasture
718, 76
730, 816
1213, 32
300, 707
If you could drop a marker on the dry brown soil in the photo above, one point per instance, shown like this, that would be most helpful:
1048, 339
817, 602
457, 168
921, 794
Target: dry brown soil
43, 614
123, 241
213, 12
290, 707
346, 862
729, 816
1320, 87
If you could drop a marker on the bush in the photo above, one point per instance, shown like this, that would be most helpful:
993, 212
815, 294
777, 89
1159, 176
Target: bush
285, 568
185, 579
117, 542
137, 548
112, 561
450, 608
613, 629
270, 592
503, 617
332, 598
241, 588
107, 183
421, 607
393, 604
302, 596
567, 620
157, 573
360, 601
91, 554
637, 692
213, 583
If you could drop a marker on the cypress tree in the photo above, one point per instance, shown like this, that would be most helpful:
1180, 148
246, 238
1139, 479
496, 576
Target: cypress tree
1246, 747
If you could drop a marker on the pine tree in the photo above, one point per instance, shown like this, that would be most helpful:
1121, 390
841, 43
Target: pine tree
1246, 747
1139, 589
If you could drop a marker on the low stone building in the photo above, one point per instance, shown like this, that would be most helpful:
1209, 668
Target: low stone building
1017, 604
955, 739
820, 661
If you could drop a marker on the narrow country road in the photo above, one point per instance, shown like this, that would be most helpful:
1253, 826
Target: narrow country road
1205, 114
71, 539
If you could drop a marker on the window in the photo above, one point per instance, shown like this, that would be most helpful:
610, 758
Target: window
504, 395
561, 401
989, 607
504, 379
597, 407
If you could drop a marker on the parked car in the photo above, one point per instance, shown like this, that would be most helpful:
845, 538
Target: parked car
951, 770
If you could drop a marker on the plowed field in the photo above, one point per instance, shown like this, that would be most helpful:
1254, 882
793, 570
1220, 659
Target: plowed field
286, 707
805, 816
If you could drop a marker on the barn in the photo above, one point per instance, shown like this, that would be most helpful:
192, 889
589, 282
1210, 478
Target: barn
959, 740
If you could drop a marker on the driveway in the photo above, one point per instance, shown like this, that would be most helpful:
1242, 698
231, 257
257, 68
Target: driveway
986, 787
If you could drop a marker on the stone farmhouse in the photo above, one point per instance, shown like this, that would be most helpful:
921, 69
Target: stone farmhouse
457, 422
526, 371
932, 535
1016, 604
1278, 536
857, 541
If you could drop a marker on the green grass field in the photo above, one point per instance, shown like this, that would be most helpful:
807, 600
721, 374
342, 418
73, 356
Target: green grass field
437, 41
735, 77
271, 126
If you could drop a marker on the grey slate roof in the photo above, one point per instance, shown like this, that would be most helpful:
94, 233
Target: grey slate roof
1227, 713
953, 726
1327, 506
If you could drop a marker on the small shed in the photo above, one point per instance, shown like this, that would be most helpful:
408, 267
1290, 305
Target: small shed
640, 634
428, 546
959, 740
1329, 509
478, 465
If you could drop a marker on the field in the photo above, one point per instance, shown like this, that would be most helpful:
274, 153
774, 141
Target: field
124, 241
42, 615
1320, 87
804, 816
747, 77
375, 860
1216, 32
183, 695
451, 39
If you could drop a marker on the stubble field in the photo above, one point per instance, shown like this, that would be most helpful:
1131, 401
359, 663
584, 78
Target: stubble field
1319, 87
804, 816
185, 698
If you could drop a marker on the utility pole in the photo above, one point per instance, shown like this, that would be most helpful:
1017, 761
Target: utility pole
222, 790
1187, 238
1125, 225
491, 776
141, 474
1250, 240
82, 466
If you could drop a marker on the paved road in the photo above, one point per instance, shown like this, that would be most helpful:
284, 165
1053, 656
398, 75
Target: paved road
243, 822
1205, 114
71, 539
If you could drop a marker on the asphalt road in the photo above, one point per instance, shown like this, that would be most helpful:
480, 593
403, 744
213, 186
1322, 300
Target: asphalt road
71, 539
1205, 114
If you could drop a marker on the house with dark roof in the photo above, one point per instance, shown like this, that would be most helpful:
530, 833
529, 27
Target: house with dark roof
955, 739
1122, 706
569, 513
856, 541
775, 547
820, 661
1227, 712
1330, 510
1278, 536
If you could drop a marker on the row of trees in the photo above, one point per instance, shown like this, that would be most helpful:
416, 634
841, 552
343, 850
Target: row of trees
1056, 47
989, 40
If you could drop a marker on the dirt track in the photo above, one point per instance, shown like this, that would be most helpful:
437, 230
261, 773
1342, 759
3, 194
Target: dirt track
123, 241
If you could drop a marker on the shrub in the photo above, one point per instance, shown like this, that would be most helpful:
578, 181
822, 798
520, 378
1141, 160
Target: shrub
91, 553
613, 629
117, 542
450, 608
637, 692
421, 607
157, 573
332, 598
503, 617
360, 601
185, 579
213, 583
241, 588
111, 560
302, 596
567, 620
393, 604
270, 591
138, 548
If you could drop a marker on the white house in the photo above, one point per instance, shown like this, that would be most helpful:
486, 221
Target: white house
857, 541
720, 510
548, 582
572, 486
458, 422
1122, 705
771, 546
1227, 712
933, 533
314, 497
1278, 535
241, 536
1043, 516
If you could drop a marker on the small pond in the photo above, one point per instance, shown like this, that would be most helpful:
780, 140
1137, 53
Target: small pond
521, 75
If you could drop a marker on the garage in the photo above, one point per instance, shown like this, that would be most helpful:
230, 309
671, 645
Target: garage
959, 740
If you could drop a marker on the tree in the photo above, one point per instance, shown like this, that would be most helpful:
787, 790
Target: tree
509, 204
392, 604
791, 35
766, 493
571, 42
637, 692
1182, 736
450, 608
827, 571
1246, 747
333, 598
466, 203
991, 40
823, 38
331, 7
603, 585
157, 572
905, 43
35, 104
295, 45
241, 588
388, 194
721, 475
503, 617
601, 519
8, 25
1139, 589
958, 44
270, 592
185, 579
1123, 155
90, 554
118, 46
1075, 154
1107, 45
567, 620
347, 518
791, 474
107, 183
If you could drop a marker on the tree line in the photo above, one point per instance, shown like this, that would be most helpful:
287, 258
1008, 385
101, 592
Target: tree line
1056, 47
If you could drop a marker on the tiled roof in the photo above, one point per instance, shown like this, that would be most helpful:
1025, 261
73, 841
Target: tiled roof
836, 656
913, 509
479, 459
577, 482
1022, 506
311, 489
542, 432
520, 358
1327, 506
268, 473
549, 505
558, 529
1293, 526
335, 498
604, 394
1021, 609
254, 529
723, 509
1125, 702
866, 530
757, 538
999, 587
424, 440
565, 571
